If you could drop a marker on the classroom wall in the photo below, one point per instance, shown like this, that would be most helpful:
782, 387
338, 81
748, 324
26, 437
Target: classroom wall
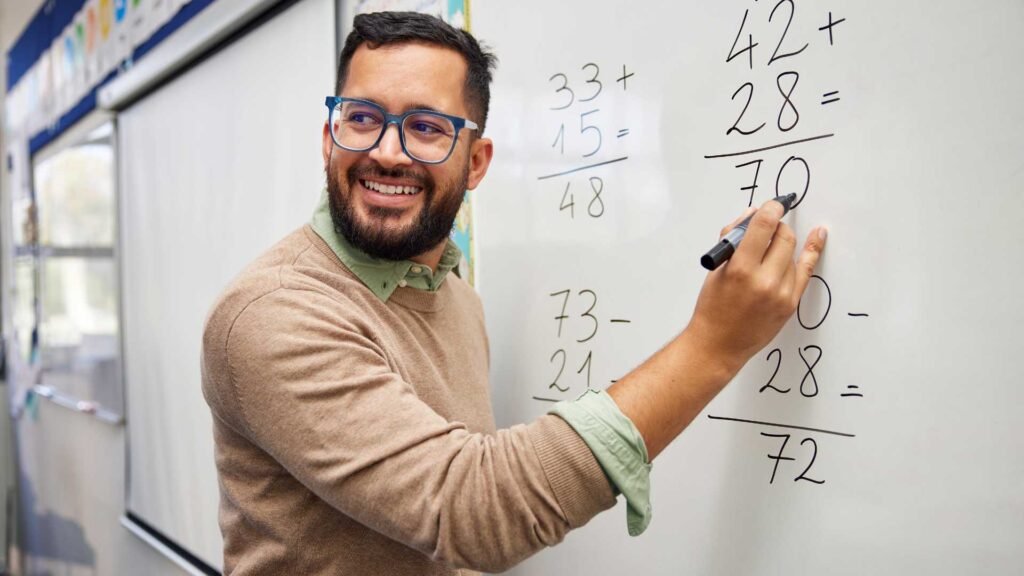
7, 475
71, 496
70, 466
13, 18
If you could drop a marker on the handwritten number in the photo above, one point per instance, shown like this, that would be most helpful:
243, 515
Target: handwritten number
571, 204
814, 456
564, 88
565, 301
786, 99
749, 50
588, 314
777, 457
775, 54
807, 179
596, 206
828, 306
593, 80
778, 363
750, 96
750, 44
560, 370
586, 365
753, 185
810, 371
584, 129
560, 138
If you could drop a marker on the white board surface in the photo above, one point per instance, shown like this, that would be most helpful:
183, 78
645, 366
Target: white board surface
916, 169
216, 167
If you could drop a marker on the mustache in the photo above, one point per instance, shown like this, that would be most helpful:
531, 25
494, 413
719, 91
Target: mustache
365, 172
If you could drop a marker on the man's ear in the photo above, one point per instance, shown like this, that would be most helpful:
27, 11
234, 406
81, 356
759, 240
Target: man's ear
328, 146
480, 153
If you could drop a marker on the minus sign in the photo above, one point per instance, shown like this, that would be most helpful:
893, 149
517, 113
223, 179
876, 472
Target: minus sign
545, 399
857, 314
620, 321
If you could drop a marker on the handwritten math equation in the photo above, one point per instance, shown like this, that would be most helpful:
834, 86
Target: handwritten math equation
772, 153
576, 325
584, 136
768, 44
586, 141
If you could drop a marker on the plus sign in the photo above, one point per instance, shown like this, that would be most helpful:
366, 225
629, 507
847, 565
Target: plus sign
624, 77
830, 25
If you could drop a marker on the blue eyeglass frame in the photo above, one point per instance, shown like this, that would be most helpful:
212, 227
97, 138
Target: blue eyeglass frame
332, 103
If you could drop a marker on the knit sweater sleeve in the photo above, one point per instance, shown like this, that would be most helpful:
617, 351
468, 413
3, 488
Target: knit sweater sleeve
318, 393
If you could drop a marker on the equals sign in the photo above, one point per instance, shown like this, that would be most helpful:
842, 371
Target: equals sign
623, 132
830, 97
854, 393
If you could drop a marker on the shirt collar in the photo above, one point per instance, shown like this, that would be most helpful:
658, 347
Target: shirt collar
381, 276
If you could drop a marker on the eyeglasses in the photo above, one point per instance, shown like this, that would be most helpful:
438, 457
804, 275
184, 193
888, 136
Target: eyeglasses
427, 136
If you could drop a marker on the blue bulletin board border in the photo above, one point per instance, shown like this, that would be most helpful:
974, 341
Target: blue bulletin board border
47, 25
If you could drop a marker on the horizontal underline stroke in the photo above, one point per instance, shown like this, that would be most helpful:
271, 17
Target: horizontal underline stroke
772, 147
823, 431
587, 167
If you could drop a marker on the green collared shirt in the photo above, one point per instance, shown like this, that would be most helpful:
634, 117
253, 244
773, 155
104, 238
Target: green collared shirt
383, 277
610, 435
619, 449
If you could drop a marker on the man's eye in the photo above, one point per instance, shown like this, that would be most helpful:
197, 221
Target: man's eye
426, 128
362, 118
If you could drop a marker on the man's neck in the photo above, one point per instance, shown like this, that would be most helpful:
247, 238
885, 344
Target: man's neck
432, 257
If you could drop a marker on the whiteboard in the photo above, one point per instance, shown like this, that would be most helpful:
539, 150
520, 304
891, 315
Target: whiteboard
903, 398
216, 167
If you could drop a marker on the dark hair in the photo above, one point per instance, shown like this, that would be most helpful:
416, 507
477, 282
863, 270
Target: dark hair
383, 28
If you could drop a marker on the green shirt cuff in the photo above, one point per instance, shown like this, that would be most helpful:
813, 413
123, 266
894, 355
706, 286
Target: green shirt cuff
618, 448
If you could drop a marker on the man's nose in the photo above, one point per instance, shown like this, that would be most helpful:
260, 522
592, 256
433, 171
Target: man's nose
389, 152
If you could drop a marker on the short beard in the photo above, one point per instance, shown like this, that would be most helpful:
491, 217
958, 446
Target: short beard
430, 228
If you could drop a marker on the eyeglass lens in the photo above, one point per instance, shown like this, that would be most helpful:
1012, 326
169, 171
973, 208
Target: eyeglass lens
428, 137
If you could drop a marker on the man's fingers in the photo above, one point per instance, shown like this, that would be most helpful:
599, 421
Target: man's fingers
789, 280
759, 234
809, 259
736, 222
780, 252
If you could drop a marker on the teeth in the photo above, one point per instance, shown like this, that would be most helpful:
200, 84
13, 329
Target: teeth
388, 189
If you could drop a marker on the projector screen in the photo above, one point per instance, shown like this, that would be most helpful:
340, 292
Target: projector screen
215, 167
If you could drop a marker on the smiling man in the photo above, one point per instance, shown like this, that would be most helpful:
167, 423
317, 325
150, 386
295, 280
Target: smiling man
398, 200
347, 368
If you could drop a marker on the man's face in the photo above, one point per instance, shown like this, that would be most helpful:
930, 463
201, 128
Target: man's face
401, 226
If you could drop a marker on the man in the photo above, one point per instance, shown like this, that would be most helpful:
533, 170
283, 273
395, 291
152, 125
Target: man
346, 368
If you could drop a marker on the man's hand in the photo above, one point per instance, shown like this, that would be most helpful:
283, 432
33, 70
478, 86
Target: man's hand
745, 302
741, 307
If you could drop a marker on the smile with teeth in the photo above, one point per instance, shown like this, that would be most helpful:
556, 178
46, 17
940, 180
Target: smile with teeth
388, 189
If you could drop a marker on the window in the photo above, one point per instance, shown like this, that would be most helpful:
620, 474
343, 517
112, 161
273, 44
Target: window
67, 273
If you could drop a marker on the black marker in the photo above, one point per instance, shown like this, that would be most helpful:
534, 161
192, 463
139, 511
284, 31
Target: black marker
727, 246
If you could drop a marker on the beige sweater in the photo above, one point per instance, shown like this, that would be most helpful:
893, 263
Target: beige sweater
355, 436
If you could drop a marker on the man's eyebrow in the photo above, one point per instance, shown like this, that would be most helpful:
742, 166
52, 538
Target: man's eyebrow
426, 107
414, 106
364, 98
